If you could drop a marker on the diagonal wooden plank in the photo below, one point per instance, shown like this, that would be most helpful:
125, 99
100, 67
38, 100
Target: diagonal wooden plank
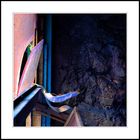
74, 119
61, 117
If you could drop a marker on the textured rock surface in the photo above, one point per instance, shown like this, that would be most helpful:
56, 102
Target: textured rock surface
90, 54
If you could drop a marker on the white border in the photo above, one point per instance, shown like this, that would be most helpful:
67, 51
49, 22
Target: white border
131, 8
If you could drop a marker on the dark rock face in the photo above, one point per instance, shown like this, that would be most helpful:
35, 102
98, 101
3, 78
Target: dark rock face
89, 54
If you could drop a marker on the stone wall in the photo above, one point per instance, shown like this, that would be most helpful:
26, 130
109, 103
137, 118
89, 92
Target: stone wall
89, 54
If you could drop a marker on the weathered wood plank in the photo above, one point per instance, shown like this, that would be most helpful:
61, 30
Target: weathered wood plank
74, 119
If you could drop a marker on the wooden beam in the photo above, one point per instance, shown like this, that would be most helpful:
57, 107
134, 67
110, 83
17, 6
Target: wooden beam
36, 118
61, 117
28, 120
74, 119
52, 117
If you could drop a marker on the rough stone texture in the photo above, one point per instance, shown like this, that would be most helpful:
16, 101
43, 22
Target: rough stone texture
89, 54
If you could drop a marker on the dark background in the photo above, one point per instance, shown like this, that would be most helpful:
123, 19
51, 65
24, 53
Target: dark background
89, 54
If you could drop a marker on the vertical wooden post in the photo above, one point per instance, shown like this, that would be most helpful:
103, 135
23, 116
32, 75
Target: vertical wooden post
36, 118
28, 120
